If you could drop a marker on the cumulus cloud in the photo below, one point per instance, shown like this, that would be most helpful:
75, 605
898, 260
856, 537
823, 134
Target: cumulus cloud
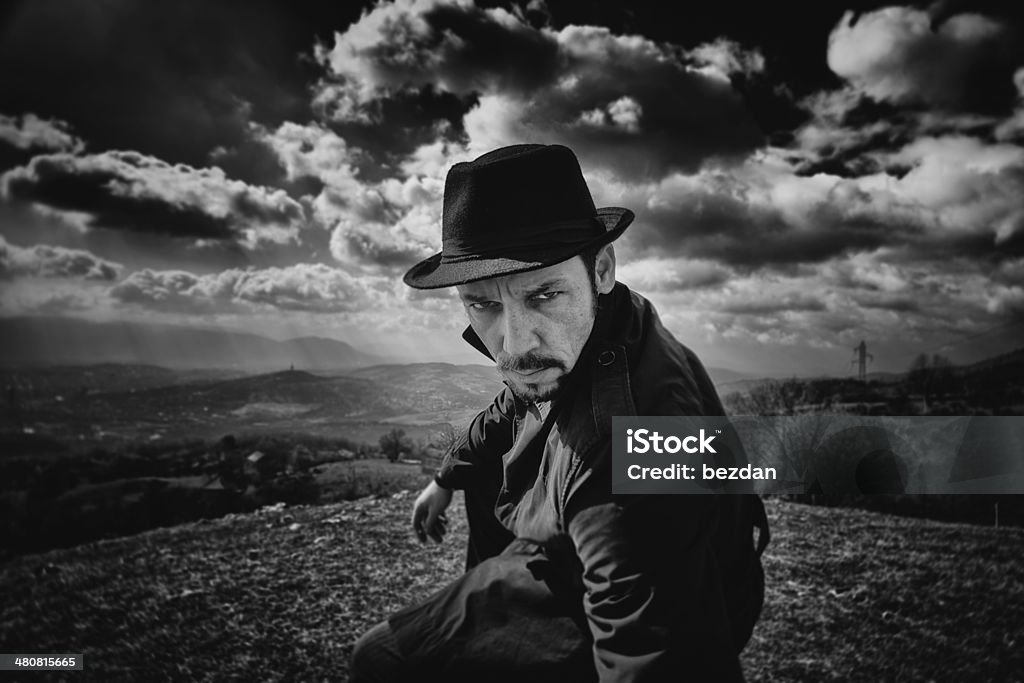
386, 224
910, 74
162, 290
391, 223
1012, 128
843, 125
312, 151
972, 191
729, 57
306, 287
851, 229
43, 260
622, 114
836, 303
948, 196
176, 80
661, 274
1006, 301
454, 45
906, 56
625, 103
139, 193
31, 132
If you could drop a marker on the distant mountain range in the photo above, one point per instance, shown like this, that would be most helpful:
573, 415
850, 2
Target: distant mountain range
69, 341
207, 402
51, 341
54, 341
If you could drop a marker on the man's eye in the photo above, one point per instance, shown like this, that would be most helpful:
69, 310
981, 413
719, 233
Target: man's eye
483, 305
545, 296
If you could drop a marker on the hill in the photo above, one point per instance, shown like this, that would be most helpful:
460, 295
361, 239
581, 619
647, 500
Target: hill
283, 593
71, 341
352, 403
374, 393
69, 380
1005, 367
434, 392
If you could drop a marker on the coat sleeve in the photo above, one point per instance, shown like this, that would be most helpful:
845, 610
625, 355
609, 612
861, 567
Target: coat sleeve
479, 449
652, 595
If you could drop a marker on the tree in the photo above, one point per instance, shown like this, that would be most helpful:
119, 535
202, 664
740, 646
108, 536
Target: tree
784, 424
929, 374
770, 398
444, 438
395, 443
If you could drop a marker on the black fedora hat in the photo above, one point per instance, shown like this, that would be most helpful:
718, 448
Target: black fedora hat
515, 209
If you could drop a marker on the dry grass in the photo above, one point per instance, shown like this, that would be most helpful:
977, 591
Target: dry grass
860, 596
282, 594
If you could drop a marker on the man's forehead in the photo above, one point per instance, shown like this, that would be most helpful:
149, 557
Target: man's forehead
566, 272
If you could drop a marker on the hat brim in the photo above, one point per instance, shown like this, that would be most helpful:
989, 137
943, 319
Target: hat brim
433, 274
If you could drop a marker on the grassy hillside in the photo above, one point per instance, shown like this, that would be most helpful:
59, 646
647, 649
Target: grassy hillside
282, 594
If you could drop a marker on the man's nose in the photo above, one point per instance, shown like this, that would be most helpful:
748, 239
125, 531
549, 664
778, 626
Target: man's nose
519, 335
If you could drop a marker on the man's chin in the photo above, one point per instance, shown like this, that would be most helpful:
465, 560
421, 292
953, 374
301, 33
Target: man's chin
537, 392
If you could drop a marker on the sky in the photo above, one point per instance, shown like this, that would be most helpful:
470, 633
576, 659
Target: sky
803, 178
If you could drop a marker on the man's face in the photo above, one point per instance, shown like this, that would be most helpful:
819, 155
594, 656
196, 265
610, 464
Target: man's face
535, 324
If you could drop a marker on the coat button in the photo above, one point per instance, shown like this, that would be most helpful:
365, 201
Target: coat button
606, 358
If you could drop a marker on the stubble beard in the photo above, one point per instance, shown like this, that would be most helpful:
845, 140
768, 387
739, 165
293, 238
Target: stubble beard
533, 393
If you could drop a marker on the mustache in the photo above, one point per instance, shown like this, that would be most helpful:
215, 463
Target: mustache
528, 362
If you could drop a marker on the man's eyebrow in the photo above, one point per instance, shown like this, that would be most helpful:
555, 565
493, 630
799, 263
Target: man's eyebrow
470, 298
474, 298
545, 286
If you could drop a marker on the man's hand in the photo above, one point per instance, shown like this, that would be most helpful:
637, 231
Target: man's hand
428, 517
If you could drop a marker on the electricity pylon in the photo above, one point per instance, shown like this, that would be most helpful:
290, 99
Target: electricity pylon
862, 358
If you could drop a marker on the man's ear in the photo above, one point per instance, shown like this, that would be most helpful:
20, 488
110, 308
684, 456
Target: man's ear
604, 269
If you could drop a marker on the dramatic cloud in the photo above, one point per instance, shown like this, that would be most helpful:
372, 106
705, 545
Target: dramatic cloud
659, 274
835, 304
135, 192
944, 196
625, 103
389, 223
455, 46
32, 132
729, 57
906, 56
392, 223
888, 193
48, 261
175, 80
312, 151
302, 287
973, 191
911, 74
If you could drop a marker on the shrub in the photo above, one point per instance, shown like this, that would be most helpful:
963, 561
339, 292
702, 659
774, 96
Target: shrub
395, 443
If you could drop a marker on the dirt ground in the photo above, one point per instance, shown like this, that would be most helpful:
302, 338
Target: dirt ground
282, 594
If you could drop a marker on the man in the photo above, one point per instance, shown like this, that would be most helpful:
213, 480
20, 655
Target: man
565, 581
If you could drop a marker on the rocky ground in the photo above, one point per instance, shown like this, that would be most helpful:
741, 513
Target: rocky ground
282, 594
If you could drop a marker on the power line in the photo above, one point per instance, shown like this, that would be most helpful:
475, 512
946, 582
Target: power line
978, 335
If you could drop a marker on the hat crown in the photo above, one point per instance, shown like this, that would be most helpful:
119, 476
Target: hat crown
518, 190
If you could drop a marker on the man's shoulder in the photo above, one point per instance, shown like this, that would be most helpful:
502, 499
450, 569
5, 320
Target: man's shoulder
667, 376
634, 367
641, 368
